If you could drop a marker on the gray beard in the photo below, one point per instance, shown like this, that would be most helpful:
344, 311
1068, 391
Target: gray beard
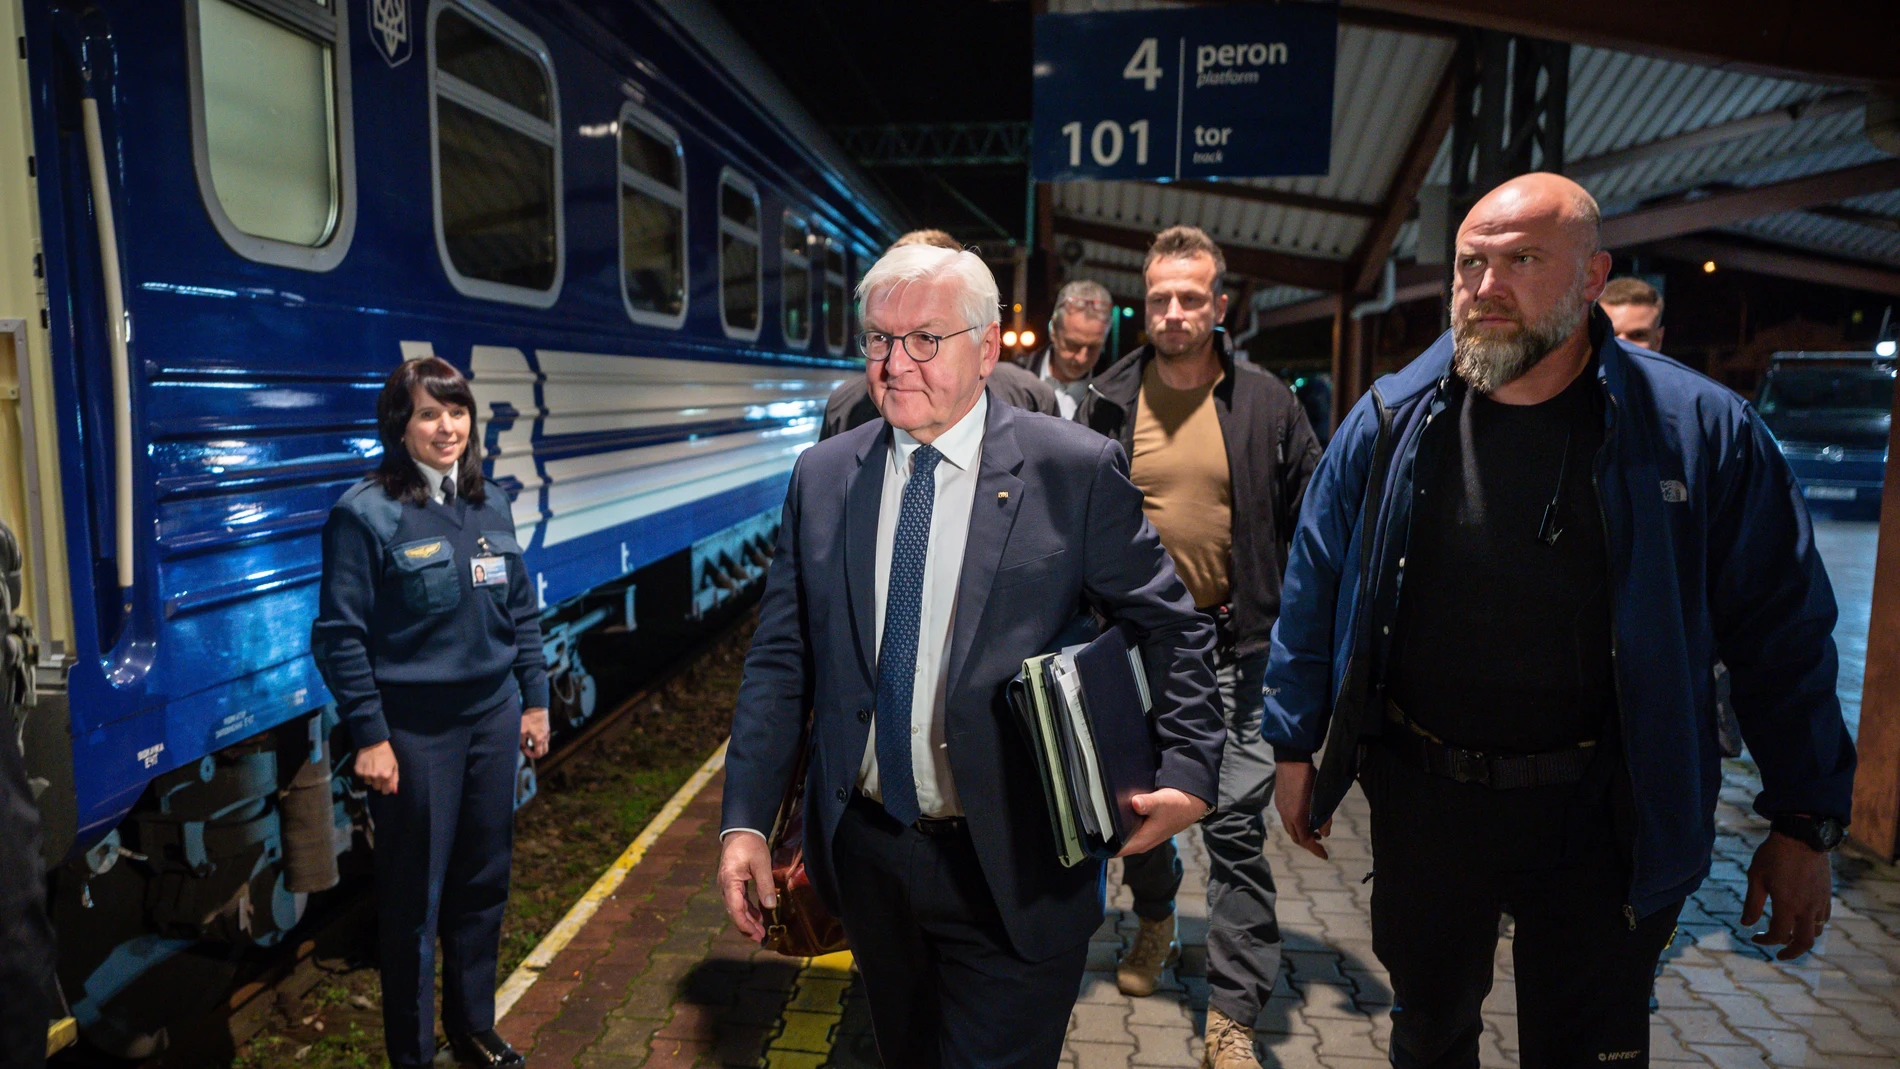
1490, 364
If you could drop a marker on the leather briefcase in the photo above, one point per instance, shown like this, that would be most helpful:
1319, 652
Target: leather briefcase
799, 926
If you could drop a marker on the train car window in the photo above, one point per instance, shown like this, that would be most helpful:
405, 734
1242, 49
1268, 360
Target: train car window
496, 115
652, 219
837, 300
270, 121
860, 264
740, 283
795, 245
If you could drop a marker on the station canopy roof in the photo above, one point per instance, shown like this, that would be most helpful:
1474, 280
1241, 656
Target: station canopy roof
1748, 131
1689, 155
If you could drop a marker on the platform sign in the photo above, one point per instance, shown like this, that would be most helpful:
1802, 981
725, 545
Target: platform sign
1203, 92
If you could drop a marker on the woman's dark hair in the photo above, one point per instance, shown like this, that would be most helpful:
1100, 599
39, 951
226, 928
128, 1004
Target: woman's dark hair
397, 473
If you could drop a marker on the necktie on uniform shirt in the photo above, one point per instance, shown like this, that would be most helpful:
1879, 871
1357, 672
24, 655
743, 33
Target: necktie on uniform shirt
897, 652
448, 490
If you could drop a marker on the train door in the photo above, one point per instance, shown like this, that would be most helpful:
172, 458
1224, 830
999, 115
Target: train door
31, 502
79, 191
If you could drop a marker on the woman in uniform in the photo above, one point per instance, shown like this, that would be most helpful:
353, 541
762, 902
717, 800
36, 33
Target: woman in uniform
429, 637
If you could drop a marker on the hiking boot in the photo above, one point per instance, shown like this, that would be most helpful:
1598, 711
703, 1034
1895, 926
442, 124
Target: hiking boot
1229, 1046
1155, 949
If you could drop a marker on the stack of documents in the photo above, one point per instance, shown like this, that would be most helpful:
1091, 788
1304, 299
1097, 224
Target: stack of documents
1085, 712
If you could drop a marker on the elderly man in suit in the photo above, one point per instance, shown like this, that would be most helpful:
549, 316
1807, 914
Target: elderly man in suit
922, 557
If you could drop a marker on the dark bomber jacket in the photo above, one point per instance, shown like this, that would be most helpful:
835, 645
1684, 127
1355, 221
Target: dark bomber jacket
1271, 453
402, 629
1712, 557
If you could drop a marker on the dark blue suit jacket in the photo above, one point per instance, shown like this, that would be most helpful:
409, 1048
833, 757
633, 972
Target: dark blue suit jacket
1069, 534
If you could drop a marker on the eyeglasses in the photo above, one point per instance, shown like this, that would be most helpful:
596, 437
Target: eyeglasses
919, 345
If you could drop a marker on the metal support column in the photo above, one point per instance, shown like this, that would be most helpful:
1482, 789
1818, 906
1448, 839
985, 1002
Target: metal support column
1876, 823
1352, 360
1508, 118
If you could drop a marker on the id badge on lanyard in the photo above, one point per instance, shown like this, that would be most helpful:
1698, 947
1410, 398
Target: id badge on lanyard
489, 569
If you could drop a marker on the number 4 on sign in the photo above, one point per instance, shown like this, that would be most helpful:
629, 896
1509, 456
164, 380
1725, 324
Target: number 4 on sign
1145, 64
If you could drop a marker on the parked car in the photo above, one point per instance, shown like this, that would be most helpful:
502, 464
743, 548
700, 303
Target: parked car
1832, 414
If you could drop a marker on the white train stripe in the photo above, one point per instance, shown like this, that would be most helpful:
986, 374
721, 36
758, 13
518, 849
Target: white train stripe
576, 393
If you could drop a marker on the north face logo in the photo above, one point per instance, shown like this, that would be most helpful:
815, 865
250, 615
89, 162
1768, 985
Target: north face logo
1674, 492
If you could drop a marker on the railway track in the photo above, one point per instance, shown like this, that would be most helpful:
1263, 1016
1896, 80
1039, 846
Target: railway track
339, 934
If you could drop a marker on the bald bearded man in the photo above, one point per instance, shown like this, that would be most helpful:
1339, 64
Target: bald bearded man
1518, 563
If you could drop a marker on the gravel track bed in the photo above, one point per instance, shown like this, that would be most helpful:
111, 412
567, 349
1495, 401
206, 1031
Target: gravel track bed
328, 1014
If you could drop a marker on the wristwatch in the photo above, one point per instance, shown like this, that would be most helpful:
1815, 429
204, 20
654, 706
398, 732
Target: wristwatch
1820, 833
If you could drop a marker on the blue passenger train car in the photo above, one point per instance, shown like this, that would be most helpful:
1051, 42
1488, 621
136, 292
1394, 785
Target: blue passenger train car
242, 214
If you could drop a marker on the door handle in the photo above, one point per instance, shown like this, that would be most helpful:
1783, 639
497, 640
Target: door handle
118, 335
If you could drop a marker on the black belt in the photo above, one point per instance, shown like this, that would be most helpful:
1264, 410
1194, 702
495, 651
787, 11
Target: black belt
1499, 772
938, 827
1222, 616
934, 827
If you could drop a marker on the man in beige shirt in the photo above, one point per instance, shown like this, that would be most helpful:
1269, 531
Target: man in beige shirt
1221, 451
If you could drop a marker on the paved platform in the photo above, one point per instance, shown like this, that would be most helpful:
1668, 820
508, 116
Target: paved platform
658, 978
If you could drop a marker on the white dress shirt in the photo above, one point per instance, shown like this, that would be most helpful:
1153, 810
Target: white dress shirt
962, 449
1068, 394
432, 478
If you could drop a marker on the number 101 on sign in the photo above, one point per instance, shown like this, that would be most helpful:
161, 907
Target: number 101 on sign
1108, 141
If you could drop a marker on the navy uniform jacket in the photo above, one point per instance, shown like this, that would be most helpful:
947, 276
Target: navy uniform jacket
1711, 557
401, 625
1070, 532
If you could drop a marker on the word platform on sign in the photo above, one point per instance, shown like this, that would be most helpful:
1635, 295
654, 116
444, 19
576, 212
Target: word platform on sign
1169, 93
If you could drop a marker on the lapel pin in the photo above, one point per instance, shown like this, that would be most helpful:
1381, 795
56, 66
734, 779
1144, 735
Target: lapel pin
1002, 495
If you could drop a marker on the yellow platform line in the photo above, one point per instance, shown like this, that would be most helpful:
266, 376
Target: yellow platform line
563, 933
61, 1034
809, 1022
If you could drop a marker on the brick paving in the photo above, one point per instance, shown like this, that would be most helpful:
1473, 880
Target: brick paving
658, 978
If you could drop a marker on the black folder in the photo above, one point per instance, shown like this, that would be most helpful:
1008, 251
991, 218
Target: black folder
1084, 712
1115, 687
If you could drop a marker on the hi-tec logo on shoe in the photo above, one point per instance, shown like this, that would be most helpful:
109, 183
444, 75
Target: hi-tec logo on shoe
1621, 1055
1674, 491
389, 29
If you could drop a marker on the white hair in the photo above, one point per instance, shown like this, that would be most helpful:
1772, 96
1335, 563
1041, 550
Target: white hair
979, 302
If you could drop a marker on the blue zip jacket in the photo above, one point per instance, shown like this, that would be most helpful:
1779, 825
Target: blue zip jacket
1712, 557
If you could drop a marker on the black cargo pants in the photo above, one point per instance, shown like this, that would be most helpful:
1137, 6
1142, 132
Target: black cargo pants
1448, 859
1243, 931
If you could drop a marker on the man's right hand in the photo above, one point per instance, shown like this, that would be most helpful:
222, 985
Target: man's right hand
1293, 797
376, 767
744, 858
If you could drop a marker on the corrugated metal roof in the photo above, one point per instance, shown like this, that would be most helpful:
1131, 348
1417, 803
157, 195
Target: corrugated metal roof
1113, 266
1805, 147
1618, 100
1818, 233
1280, 296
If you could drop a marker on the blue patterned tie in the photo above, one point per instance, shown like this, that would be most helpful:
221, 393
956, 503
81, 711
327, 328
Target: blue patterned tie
897, 653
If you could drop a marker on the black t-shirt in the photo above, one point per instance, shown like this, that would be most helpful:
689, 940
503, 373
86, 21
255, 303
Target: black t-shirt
1503, 639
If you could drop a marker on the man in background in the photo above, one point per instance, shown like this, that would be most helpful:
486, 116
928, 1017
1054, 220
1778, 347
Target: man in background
1077, 331
1635, 310
1221, 452
850, 404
